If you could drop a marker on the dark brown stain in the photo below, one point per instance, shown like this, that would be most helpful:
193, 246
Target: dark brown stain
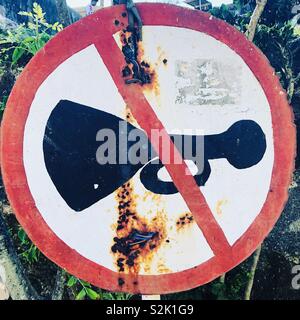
133, 51
121, 282
184, 220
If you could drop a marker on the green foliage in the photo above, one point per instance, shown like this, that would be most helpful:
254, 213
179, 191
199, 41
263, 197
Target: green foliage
275, 12
219, 290
19, 45
232, 16
234, 286
278, 11
82, 289
224, 13
276, 42
274, 36
2, 105
240, 4
30, 38
29, 251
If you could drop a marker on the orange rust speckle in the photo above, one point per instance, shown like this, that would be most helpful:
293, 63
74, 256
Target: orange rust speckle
130, 247
184, 220
141, 51
162, 268
129, 116
148, 195
154, 85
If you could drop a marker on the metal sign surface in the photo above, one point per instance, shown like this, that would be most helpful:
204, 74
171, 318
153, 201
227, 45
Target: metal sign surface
152, 228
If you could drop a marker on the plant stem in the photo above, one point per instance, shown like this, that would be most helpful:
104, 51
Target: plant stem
249, 287
17, 283
63, 12
59, 287
260, 6
222, 278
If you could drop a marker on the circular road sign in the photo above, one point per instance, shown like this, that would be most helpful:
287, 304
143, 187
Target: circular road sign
158, 227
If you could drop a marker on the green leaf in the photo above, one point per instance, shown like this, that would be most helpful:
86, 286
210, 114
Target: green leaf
45, 37
25, 13
121, 296
71, 282
38, 11
107, 296
3, 104
17, 54
34, 253
28, 39
40, 44
31, 48
22, 236
81, 295
92, 294
85, 284
55, 25
4, 41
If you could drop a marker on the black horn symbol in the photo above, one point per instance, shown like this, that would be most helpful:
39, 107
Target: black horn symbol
70, 148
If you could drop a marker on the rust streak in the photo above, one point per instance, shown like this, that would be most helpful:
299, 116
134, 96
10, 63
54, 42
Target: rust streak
137, 239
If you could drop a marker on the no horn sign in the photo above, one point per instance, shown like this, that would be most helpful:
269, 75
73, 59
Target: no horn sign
158, 226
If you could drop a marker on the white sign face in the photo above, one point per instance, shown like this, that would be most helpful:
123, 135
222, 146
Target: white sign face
157, 226
204, 86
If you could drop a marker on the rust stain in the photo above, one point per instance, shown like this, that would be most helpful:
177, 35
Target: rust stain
133, 50
137, 239
219, 206
184, 220
149, 76
148, 195
153, 86
162, 267
129, 116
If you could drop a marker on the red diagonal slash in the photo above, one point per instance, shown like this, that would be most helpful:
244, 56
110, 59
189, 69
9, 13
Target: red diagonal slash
147, 119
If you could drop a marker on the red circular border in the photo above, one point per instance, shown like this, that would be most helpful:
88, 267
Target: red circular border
83, 34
